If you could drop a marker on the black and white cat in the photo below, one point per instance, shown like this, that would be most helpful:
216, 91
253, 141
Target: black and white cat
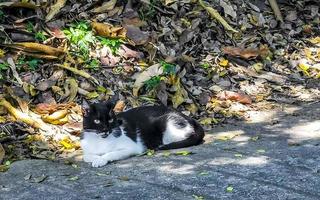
108, 137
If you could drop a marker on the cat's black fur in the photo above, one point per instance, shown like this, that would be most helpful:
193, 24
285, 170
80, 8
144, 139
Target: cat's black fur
149, 120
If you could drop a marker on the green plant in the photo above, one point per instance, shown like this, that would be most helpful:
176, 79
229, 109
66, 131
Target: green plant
205, 65
168, 68
40, 36
3, 67
93, 64
28, 63
148, 11
112, 43
30, 27
81, 38
1, 15
152, 83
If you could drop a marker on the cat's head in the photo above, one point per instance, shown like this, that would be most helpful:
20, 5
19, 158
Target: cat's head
99, 117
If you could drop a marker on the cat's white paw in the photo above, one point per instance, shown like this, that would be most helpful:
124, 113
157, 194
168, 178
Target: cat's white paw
99, 162
90, 157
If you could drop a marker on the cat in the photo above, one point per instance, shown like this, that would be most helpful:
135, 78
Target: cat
109, 137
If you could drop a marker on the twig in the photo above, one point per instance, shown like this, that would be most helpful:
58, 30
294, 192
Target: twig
78, 72
215, 14
276, 10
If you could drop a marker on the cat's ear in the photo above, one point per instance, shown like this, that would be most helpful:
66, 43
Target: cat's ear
85, 107
114, 100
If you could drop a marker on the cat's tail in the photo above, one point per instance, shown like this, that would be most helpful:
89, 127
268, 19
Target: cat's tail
194, 139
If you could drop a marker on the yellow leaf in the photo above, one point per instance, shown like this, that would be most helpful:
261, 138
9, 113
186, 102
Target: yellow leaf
180, 95
304, 68
2, 153
67, 143
208, 121
1, 53
55, 116
192, 108
315, 40
258, 67
223, 62
92, 95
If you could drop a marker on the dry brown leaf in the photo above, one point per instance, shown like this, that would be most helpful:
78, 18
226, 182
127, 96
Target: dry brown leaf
14, 70
40, 56
125, 52
18, 5
241, 52
2, 153
45, 108
119, 106
137, 36
107, 30
234, 96
150, 72
23, 104
73, 89
36, 48
106, 6
55, 8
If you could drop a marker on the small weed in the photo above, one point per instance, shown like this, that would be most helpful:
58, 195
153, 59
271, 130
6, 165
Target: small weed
30, 27
113, 44
3, 67
40, 36
148, 11
1, 15
24, 63
152, 83
81, 38
168, 69
93, 64
205, 65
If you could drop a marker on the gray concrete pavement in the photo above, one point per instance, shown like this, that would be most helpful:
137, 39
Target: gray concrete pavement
275, 155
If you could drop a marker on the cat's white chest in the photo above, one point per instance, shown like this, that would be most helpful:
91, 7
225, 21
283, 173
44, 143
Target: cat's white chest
96, 145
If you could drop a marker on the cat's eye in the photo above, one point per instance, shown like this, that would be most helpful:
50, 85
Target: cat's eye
110, 120
96, 121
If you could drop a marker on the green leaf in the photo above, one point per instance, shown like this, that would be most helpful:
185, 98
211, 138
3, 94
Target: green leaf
103, 174
40, 36
183, 153
198, 197
92, 95
167, 153
4, 66
74, 178
229, 189
239, 155
204, 173
261, 151
152, 82
168, 68
150, 152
